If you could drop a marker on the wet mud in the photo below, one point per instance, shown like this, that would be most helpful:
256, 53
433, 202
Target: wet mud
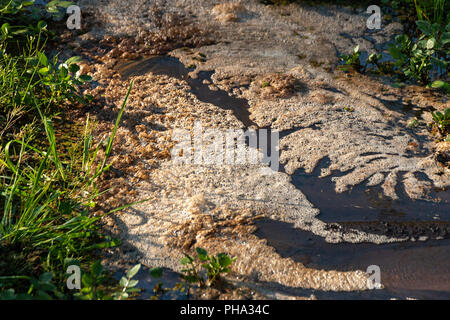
416, 268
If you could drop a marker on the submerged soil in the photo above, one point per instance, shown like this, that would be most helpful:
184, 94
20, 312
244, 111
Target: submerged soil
356, 185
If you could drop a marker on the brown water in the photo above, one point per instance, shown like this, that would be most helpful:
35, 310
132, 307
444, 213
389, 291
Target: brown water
408, 269
411, 269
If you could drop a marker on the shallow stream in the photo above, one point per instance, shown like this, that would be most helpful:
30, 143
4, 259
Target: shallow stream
418, 268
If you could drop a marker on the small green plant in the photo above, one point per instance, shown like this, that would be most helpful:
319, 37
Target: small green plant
48, 185
374, 59
442, 121
91, 282
349, 109
442, 85
20, 17
353, 59
128, 284
214, 266
413, 123
96, 285
415, 59
41, 288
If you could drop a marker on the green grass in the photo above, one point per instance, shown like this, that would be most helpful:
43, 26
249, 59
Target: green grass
46, 202
48, 185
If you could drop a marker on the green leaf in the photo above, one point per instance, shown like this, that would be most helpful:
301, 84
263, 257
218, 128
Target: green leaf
64, 4
123, 282
425, 27
395, 52
438, 84
156, 272
203, 257
52, 9
5, 28
87, 280
132, 283
187, 259
133, 271
85, 78
224, 260
74, 68
74, 59
201, 251
43, 71
46, 277
96, 268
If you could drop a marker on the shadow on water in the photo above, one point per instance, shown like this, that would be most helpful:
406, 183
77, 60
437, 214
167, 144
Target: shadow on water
419, 270
414, 269
363, 203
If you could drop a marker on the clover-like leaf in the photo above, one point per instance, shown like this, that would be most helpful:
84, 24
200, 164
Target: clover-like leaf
133, 271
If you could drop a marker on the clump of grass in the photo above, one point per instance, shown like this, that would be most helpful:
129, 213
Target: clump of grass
441, 121
45, 202
48, 187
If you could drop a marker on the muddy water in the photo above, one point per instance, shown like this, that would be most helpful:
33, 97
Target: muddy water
163, 288
419, 269
408, 269
172, 67
364, 203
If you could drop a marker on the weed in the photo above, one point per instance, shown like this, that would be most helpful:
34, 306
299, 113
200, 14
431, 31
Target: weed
214, 266
352, 59
439, 84
349, 109
442, 121
415, 59
95, 286
22, 18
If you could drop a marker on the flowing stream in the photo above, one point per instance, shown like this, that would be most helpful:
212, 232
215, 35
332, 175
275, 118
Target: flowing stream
416, 268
